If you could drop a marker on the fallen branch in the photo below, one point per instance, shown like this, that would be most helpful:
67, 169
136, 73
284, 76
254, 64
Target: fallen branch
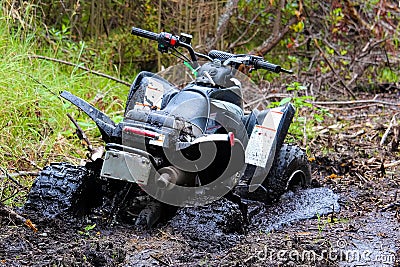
274, 40
11, 176
159, 259
391, 206
238, 41
15, 217
80, 133
355, 102
392, 123
352, 136
81, 67
6, 211
392, 164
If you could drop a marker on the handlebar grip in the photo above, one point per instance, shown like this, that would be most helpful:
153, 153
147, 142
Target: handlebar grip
220, 55
261, 64
146, 34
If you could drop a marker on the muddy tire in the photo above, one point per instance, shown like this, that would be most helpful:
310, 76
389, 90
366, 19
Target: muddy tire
59, 189
291, 169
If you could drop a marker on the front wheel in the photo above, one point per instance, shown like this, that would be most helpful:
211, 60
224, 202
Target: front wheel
291, 169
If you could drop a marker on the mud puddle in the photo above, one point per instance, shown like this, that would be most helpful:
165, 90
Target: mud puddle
292, 207
194, 236
221, 224
203, 231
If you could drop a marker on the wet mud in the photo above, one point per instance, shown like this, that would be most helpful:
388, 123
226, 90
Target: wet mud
213, 235
213, 227
221, 224
293, 207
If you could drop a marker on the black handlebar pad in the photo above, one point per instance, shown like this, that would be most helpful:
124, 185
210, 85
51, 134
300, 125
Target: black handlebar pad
146, 34
220, 55
261, 64
258, 64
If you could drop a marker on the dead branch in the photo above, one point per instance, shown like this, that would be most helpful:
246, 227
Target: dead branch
15, 217
8, 212
11, 176
392, 164
391, 206
238, 41
348, 90
38, 82
80, 133
245, 41
352, 136
393, 122
156, 257
81, 67
272, 41
355, 102
223, 21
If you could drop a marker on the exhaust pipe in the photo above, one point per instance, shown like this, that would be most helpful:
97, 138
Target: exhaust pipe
170, 176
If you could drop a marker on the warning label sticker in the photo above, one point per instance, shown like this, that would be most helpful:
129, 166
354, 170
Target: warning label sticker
262, 139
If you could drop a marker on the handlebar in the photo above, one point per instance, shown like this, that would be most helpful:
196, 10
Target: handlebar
262, 64
146, 34
167, 40
216, 54
257, 62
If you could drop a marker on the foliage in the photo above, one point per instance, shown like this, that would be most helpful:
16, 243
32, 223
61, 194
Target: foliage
307, 115
87, 229
34, 125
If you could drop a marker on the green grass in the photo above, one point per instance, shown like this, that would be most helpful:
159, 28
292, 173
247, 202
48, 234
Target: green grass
34, 128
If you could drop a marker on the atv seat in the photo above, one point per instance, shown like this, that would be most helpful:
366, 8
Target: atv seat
231, 94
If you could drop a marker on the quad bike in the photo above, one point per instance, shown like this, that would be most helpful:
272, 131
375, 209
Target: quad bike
185, 140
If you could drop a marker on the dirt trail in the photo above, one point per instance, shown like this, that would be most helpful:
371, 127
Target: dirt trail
349, 218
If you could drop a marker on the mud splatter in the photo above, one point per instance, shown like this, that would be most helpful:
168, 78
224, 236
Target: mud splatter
293, 207
213, 227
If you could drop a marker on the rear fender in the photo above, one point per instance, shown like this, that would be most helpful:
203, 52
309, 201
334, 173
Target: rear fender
104, 123
265, 142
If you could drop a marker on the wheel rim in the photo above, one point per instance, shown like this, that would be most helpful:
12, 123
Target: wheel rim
297, 178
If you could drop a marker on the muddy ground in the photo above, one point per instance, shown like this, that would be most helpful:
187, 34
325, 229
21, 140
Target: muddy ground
350, 216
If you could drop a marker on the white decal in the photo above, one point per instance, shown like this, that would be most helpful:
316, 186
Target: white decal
262, 139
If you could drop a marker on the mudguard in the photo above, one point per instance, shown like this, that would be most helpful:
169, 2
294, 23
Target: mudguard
265, 142
104, 123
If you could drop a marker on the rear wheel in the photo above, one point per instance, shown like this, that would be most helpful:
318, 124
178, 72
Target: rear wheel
62, 188
291, 169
